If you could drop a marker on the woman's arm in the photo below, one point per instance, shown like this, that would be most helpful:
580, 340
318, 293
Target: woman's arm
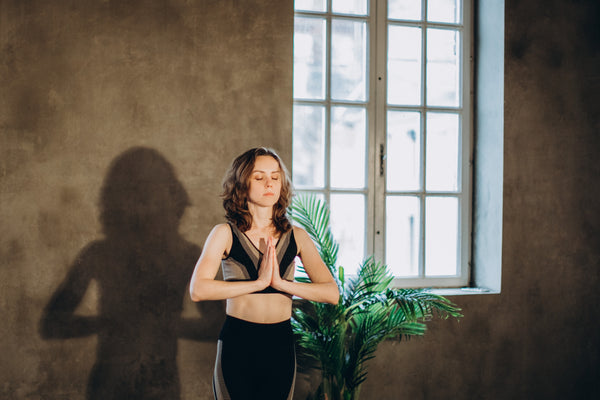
203, 285
322, 287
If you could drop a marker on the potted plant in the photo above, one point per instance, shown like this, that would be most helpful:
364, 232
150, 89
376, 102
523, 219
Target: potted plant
341, 338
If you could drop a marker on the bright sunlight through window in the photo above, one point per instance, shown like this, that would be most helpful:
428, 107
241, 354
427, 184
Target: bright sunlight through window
382, 130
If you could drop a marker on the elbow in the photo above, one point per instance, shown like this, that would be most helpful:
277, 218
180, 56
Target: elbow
203, 289
195, 294
334, 297
195, 298
333, 300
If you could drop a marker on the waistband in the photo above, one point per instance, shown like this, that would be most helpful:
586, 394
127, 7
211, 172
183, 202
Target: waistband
237, 326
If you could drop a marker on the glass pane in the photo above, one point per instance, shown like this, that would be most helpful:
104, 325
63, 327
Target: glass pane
309, 58
348, 60
310, 5
348, 228
444, 11
355, 7
308, 146
404, 9
441, 236
443, 67
442, 151
404, 65
402, 225
348, 147
298, 261
403, 151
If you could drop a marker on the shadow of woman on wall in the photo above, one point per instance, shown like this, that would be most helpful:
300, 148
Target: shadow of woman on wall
142, 268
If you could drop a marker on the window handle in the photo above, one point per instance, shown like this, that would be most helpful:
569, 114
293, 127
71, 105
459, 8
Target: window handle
381, 160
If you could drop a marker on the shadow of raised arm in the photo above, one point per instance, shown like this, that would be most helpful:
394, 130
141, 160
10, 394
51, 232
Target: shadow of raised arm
58, 319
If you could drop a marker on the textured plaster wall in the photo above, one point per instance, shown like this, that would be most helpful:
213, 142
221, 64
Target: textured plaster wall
540, 338
200, 81
82, 82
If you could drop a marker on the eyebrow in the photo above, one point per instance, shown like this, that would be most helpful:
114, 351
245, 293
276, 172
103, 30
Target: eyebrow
264, 172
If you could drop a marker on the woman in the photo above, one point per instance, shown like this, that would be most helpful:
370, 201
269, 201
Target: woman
256, 249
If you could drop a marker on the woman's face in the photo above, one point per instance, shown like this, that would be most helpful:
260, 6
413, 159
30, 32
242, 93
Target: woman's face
265, 182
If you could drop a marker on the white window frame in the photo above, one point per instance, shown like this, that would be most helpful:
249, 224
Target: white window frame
376, 109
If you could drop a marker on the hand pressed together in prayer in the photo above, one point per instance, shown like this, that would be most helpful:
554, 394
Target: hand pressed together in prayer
269, 267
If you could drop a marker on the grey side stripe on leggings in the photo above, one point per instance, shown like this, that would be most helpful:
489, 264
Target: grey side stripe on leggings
219, 388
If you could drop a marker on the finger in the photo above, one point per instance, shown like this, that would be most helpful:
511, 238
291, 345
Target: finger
271, 248
267, 254
274, 261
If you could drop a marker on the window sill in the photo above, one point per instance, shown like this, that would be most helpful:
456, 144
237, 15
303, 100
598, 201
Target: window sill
463, 291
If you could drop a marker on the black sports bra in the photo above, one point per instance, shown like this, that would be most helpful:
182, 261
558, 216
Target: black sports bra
244, 258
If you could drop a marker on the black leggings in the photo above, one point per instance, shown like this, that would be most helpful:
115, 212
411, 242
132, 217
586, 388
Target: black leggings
255, 361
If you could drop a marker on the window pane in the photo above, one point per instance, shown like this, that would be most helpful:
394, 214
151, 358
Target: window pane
403, 151
309, 58
404, 65
356, 7
441, 236
443, 67
404, 9
444, 11
310, 5
442, 151
321, 197
348, 228
402, 232
348, 147
309, 146
348, 60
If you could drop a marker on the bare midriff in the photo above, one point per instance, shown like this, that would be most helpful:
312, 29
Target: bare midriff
261, 308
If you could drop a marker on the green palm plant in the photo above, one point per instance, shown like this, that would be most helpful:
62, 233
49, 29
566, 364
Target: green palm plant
340, 339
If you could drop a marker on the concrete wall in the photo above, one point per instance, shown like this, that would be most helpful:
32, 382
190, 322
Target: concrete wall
195, 83
82, 82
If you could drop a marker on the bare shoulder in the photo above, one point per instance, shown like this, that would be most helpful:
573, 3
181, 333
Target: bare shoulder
220, 238
301, 236
298, 231
221, 230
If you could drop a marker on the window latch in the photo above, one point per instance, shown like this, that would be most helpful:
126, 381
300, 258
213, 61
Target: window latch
381, 160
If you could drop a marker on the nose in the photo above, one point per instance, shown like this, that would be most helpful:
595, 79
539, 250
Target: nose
269, 182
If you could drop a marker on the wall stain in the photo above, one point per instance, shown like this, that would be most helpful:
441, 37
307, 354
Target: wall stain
68, 196
519, 47
50, 228
14, 253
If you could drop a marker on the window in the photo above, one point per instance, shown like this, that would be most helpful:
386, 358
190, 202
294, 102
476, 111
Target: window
382, 130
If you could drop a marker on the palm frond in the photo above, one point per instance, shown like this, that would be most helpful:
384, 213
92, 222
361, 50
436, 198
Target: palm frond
312, 214
369, 329
342, 338
319, 332
421, 303
373, 278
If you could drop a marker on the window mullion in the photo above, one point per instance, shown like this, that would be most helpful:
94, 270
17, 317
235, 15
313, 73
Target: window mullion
370, 222
467, 138
423, 177
328, 58
378, 79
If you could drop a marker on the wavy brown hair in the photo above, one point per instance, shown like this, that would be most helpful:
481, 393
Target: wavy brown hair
235, 191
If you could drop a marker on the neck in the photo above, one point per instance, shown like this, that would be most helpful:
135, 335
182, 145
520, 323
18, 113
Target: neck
262, 217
